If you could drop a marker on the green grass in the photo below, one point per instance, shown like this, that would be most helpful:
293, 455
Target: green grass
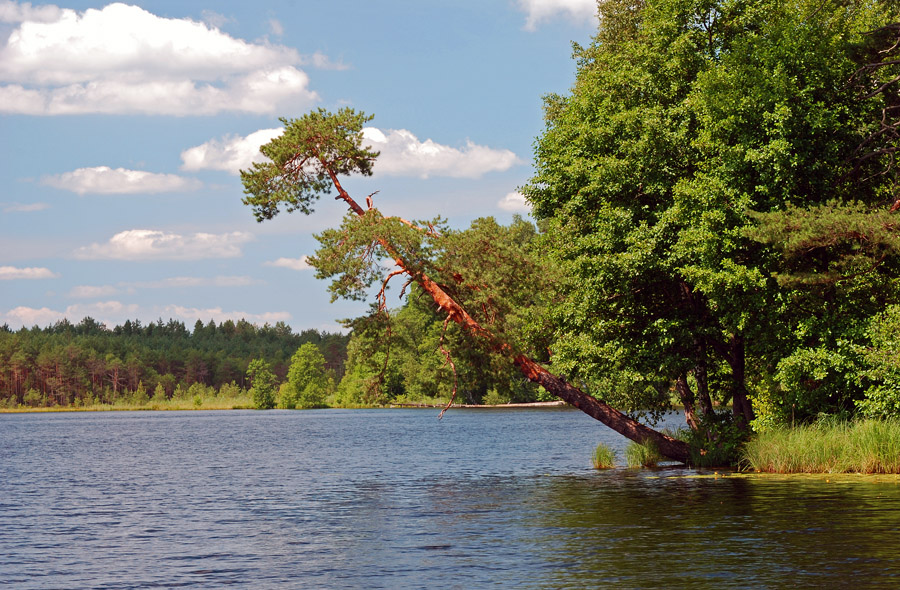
603, 457
642, 455
865, 446
205, 403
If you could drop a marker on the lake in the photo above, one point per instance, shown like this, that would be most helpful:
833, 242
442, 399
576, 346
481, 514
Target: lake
399, 499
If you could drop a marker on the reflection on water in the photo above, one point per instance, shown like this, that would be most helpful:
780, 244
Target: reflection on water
388, 499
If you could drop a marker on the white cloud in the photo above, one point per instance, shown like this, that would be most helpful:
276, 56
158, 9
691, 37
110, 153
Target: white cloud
13, 12
146, 244
514, 202
231, 153
183, 282
123, 59
539, 11
190, 315
25, 207
321, 61
402, 154
292, 263
9, 273
114, 313
29, 316
276, 27
90, 292
107, 312
107, 181
214, 19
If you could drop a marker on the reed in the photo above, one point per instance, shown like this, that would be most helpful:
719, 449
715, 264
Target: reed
864, 446
603, 457
642, 454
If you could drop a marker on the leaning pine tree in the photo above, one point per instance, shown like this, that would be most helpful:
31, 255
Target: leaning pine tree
309, 160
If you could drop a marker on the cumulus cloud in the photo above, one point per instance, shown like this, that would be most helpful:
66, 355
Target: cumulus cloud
147, 244
538, 11
514, 202
29, 316
124, 59
114, 313
9, 273
103, 180
13, 12
218, 315
24, 207
402, 154
231, 153
108, 312
292, 263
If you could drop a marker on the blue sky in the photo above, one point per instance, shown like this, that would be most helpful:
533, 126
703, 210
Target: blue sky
124, 126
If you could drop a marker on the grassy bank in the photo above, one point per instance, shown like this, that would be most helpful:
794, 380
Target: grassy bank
865, 446
197, 403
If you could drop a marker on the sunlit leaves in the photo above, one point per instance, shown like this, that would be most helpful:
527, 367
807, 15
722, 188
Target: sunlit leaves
305, 160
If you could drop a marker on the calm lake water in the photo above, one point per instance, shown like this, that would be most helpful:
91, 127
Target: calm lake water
398, 499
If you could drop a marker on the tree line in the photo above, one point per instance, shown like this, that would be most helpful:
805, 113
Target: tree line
86, 363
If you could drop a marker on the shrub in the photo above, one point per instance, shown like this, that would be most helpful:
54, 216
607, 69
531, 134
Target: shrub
494, 398
159, 394
717, 442
287, 397
263, 384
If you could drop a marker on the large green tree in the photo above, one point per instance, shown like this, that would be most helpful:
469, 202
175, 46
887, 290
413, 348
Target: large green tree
716, 187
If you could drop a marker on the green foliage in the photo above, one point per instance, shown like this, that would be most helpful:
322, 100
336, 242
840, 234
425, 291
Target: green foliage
718, 442
603, 457
714, 190
827, 243
262, 380
86, 363
302, 159
882, 365
642, 454
307, 378
159, 394
287, 397
819, 380
493, 271
140, 396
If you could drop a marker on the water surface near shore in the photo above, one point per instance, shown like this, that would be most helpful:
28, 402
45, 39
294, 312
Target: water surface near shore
396, 498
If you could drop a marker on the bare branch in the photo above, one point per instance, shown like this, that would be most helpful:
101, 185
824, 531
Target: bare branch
449, 361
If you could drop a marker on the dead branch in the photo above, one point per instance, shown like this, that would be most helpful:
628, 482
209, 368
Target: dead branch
449, 361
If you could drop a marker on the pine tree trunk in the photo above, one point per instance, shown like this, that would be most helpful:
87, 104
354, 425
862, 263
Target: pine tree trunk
628, 427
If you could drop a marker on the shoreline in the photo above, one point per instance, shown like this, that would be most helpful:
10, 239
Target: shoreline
190, 407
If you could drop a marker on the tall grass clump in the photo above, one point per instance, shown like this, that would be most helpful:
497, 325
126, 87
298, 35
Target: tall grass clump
603, 457
644, 454
827, 446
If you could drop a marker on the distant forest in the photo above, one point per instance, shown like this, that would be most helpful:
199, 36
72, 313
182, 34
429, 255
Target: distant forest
85, 363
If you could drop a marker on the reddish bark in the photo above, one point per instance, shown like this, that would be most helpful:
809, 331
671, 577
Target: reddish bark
609, 416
